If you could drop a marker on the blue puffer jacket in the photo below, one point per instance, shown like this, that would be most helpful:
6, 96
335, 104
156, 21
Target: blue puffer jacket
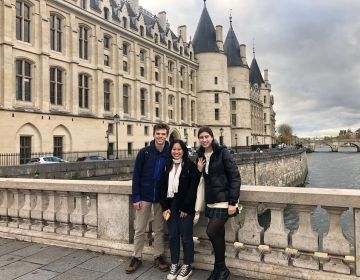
148, 169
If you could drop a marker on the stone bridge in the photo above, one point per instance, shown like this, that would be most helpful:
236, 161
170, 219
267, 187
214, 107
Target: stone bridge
98, 216
334, 144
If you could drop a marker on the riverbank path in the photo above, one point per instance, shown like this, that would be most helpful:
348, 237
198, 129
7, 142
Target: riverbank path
22, 260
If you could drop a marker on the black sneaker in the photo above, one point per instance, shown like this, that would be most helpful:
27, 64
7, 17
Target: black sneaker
185, 272
174, 270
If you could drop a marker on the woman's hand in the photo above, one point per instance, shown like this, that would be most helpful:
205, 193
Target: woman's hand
231, 209
200, 164
166, 214
183, 214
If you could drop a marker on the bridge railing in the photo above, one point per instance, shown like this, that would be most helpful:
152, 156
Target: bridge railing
98, 216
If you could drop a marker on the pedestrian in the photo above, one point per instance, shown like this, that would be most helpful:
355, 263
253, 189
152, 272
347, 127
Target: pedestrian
149, 165
222, 191
178, 188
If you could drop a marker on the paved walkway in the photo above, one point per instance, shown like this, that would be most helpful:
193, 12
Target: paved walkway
30, 261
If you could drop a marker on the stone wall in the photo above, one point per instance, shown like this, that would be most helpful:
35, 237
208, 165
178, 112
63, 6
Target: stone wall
278, 168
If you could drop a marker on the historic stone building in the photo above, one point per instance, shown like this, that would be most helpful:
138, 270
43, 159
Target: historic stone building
67, 67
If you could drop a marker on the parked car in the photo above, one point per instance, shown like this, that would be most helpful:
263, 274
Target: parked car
91, 158
46, 160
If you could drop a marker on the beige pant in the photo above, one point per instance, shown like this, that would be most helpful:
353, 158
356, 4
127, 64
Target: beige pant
141, 220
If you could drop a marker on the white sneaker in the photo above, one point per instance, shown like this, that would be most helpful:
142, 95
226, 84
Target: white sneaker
174, 270
185, 272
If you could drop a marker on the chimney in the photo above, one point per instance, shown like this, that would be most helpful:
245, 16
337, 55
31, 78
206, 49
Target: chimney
266, 75
243, 54
134, 4
182, 32
219, 37
162, 19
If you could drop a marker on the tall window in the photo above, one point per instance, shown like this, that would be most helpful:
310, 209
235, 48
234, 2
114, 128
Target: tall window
25, 149
170, 66
106, 42
83, 42
125, 48
171, 100
192, 110
157, 61
125, 66
233, 90
56, 85
233, 105
264, 117
216, 80
142, 32
157, 97
55, 33
106, 60
217, 114
23, 21
182, 108
264, 99
23, 80
58, 146
107, 95
83, 4
124, 20
142, 101
216, 98
233, 119
106, 13
126, 99
157, 112
83, 91
142, 71
142, 55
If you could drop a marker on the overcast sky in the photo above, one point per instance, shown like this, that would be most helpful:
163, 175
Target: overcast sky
311, 48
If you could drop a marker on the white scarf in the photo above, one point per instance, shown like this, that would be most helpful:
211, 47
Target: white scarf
173, 183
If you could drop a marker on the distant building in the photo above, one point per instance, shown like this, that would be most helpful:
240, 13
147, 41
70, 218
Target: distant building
67, 67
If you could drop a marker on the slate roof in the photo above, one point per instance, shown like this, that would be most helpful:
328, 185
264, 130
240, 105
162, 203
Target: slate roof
205, 35
94, 4
232, 49
255, 73
114, 8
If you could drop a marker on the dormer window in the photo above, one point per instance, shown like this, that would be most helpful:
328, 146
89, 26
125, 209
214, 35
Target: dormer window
106, 13
156, 38
181, 50
169, 44
124, 20
142, 32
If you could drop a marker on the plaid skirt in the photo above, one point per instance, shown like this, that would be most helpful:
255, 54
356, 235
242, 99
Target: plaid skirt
219, 213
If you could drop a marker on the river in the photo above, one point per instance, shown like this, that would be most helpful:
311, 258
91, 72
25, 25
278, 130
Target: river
330, 170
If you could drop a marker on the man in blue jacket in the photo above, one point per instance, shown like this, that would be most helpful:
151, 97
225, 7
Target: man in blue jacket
149, 165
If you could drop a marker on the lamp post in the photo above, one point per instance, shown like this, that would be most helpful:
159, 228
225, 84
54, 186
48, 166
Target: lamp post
107, 143
117, 120
221, 136
235, 142
186, 138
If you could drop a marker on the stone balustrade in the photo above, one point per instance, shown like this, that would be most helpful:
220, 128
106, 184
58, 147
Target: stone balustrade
98, 216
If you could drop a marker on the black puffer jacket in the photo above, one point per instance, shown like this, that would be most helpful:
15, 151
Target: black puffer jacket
223, 181
188, 182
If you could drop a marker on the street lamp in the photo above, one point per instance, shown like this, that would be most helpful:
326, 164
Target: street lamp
107, 142
221, 136
186, 138
117, 120
236, 142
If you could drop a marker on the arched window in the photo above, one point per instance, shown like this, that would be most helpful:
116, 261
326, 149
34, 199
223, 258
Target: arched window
169, 44
106, 13
23, 80
156, 38
125, 24
142, 55
157, 60
142, 32
56, 86
83, 42
125, 48
23, 21
84, 91
55, 33
126, 98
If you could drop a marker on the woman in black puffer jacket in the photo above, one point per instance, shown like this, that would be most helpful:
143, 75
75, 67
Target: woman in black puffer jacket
222, 191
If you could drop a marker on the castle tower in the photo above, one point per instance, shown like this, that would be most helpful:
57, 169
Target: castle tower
239, 88
213, 101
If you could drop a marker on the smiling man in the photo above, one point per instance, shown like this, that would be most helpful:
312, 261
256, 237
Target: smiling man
149, 165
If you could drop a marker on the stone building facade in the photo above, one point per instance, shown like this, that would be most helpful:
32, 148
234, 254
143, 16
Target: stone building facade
67, 67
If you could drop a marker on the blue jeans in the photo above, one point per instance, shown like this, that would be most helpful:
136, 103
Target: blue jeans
180, 227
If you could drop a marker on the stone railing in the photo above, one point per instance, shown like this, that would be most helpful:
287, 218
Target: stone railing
98, 216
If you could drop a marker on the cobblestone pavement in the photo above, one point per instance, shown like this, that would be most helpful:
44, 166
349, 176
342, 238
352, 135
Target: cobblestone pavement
30, 261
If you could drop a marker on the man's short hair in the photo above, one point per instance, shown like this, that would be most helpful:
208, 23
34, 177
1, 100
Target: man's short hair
159, 126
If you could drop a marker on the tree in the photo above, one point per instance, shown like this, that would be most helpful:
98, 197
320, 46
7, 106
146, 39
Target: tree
285, 133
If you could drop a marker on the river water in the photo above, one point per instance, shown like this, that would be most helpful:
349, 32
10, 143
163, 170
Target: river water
330, 170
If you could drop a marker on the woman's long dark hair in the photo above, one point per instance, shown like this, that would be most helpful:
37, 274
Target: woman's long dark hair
183, 147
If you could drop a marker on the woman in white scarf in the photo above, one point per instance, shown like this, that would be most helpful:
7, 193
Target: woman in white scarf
178, 188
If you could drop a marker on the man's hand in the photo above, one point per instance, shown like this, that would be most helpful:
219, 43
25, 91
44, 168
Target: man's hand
183, 214
231, 209
166, 214
137, 205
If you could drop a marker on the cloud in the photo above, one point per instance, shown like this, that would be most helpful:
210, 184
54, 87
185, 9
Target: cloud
311, 48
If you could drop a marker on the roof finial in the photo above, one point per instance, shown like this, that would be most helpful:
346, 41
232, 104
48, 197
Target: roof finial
254, 47
230, 17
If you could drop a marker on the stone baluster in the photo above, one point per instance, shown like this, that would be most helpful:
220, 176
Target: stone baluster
276, 236
335, 243
250, 233
91, 218
49, 215
231, 231
6, 200
63, 214
305, 239
41, 203
24, 212
77, 216
202, 243
16, 205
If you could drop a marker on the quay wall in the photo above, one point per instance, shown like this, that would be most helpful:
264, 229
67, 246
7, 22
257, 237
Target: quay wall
276, 168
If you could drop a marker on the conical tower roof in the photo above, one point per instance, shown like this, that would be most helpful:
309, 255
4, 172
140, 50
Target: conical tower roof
255, 73
205, 34
232, 49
